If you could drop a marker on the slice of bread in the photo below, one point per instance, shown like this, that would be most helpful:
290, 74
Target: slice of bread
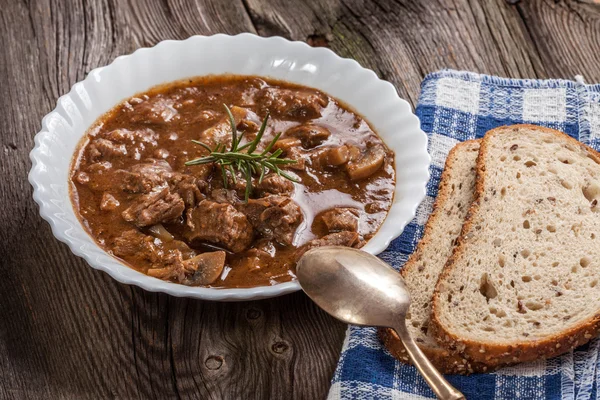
524, 280
423, 268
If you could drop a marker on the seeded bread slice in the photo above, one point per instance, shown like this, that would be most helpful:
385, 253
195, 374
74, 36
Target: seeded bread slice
523, 281
423, 268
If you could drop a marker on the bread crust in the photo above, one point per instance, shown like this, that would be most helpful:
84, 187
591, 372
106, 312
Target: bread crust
445, 362
495, 355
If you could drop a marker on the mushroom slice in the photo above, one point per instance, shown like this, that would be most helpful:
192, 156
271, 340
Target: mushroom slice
366, 165
207, 268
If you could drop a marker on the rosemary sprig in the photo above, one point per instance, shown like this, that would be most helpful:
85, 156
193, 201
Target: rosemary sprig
243, 158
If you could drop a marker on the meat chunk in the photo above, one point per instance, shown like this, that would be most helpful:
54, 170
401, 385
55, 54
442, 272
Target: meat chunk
135, 243
292, 149
126, 136
298, 156
178, 245
287, 144
83, 178
143, 178
221, 131
203, 116
291, 104
333, 156
171, 268
101, 148
108, 202
220, 223
146, 177
202, 269
275, 217
99, 167
336, 156
188, 187
174, 260
159, 168
157, 110
154, 208
238, 186
367, 164
309, 134
224, 196
201, 172
348, 239
248, 127
123, 143
340, 219
275, 184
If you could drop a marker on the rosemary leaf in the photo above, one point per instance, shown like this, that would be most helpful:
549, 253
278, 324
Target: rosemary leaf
203, 145
270, 146
287, 176
224, 174
262, 173
202, 160
242, 159
259, 135
276, 153
233, 178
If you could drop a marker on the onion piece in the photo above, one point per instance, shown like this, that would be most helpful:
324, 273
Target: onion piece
160, 232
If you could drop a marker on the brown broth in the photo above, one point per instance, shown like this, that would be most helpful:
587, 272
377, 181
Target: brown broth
178, 112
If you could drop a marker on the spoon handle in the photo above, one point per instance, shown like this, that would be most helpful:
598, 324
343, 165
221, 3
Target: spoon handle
440, 386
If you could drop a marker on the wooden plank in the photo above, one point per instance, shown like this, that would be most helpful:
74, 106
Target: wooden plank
566, 36
74, 332
404, 40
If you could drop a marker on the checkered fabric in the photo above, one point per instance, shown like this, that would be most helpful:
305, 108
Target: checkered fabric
456, 106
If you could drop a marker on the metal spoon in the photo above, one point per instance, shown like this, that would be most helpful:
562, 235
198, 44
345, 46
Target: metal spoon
360, 289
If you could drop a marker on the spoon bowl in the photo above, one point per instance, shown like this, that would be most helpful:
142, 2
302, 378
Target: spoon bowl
353, 286
360, 289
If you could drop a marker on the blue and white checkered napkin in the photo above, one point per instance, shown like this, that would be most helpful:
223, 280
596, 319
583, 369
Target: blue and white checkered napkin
456, 106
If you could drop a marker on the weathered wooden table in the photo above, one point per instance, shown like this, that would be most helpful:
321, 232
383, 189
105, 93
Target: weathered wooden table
70, 332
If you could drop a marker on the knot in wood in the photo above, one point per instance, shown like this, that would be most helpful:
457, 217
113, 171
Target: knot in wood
253, 313
280, 347
214, 362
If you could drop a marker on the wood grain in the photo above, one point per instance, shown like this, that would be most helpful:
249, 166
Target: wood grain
71, 332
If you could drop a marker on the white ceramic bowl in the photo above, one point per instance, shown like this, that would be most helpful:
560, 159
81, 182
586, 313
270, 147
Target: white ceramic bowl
244, 54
